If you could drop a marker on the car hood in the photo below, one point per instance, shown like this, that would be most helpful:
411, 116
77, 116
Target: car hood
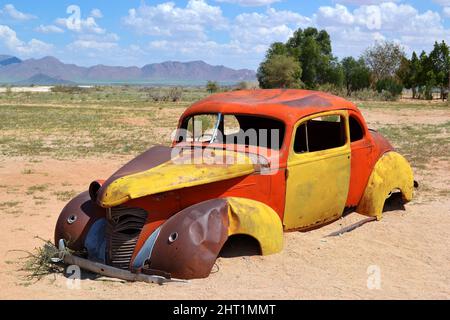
159, 170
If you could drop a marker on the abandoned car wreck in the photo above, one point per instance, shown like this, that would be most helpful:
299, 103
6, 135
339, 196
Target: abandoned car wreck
251, 162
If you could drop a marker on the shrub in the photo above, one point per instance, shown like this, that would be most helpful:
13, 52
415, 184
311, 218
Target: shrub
175, 94
68, 89
390, 85
367, 95
212, 86
333, 89
164, 95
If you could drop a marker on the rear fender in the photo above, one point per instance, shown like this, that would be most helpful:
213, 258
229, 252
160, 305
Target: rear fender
392, 171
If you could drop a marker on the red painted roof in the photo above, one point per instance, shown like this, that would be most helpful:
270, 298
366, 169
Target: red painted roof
288, 105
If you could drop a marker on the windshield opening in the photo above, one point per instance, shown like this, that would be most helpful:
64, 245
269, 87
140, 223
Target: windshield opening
233, 129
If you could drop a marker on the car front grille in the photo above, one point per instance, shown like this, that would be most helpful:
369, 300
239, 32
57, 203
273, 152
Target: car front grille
122, 232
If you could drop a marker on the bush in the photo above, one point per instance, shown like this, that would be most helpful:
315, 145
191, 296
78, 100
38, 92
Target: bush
393, 87
333, 89
175, 94
247, 85
163, 95
367, 95
69, 89
212, 86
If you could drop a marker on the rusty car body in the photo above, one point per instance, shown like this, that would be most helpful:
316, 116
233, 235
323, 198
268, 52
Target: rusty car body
168, 214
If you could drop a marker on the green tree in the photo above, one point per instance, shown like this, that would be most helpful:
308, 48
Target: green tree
277, 48
440, 66
383, 59
312, 48
212, 86
426, 76
414, 74
333, 74
279, 71
356, 74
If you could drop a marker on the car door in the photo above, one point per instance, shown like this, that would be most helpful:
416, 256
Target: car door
318, 170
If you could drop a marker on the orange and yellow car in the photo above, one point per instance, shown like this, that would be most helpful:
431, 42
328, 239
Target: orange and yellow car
252, 163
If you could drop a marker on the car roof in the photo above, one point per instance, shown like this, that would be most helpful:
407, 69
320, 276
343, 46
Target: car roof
288, 105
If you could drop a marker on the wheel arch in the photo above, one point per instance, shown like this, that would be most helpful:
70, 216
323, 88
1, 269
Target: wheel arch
391, 171
257, 220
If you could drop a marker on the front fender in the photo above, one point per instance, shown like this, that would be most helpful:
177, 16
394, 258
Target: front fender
186, 246
392, 171
76, 219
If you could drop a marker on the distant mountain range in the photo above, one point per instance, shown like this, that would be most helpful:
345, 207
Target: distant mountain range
50, 71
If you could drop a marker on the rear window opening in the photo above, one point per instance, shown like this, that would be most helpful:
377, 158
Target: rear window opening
321, 133
356, 130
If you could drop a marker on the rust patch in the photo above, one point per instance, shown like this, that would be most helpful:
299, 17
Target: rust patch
189, 242
312, 100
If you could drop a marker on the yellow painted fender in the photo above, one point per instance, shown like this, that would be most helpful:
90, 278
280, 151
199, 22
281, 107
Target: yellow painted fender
258, 220
392, 171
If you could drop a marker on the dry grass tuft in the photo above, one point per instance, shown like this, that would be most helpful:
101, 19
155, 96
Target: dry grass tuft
38, 264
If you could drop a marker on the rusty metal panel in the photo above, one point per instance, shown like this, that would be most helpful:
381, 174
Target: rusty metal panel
189, 242
76, 219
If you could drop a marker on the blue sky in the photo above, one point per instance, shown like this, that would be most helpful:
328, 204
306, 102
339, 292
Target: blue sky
234, 33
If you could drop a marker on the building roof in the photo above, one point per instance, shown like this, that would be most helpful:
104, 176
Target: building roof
288, 105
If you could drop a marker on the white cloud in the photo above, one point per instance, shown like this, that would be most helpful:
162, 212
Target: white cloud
96, 13
446, 12
339, 15
48, 29
91, 40
253, 30
10, 40
250, 35
231, 54
250, 3
95, 42
12, 12
352, 31
166, 19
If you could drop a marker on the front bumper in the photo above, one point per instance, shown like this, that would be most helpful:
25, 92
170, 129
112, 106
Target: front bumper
109, 271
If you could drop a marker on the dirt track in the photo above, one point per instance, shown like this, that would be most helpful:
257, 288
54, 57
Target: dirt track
410, 247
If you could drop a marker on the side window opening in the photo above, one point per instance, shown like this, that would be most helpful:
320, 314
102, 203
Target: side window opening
356, 130
320, 133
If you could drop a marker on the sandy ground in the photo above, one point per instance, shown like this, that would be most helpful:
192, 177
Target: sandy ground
408, 250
